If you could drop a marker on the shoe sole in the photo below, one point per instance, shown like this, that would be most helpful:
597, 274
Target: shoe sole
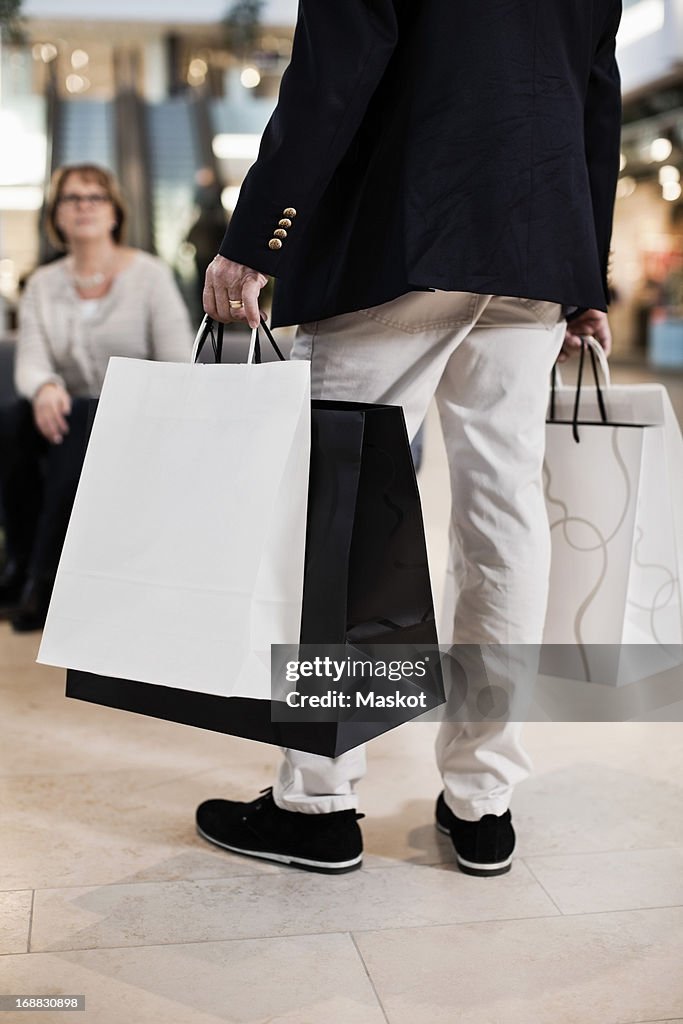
322, 867
479, 870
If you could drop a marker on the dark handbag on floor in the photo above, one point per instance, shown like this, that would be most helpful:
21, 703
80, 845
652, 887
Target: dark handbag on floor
366, 579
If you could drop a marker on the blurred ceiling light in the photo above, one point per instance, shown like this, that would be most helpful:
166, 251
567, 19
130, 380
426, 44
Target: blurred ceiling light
229, 197
45, 52
79, 59
622, 161
626, 186
660, 149
671, 190
236, 146
21, 197
668, 173
77, 83
197, 71
250, 78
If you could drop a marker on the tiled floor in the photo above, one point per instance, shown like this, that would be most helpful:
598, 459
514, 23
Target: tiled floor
106, 890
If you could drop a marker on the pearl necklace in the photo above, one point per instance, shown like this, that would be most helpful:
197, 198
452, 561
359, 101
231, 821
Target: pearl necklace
87, 282
93, 281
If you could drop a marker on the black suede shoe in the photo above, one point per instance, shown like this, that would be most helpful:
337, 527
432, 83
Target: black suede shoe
33, 606
329, 843
12, 581
482, 847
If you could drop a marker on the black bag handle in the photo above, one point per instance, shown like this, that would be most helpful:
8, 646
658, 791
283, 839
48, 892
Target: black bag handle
553, 389
579, 381
255, 347
214, 330
206, 330
577, 398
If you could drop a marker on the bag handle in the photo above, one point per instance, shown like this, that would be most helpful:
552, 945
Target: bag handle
597, 358
579, 381
254, 355
556, 376
599, 352
207, 328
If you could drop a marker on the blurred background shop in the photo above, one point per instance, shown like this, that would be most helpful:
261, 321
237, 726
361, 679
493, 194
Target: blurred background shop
647, 242
173, 96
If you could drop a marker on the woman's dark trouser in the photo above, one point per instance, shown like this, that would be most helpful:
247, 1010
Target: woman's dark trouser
38, 481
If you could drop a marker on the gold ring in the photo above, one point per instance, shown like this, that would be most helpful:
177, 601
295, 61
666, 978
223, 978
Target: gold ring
235, 303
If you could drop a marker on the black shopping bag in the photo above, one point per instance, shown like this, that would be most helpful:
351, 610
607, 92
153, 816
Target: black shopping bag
366, 582
366, 577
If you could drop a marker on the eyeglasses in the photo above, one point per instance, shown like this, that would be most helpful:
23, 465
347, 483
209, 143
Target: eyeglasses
91, 199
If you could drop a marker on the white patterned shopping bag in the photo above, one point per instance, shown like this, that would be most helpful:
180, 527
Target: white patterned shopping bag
613, 479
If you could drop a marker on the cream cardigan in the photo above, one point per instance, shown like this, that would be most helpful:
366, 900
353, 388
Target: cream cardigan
142, 316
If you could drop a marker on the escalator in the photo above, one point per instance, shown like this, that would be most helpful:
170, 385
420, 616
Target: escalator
86, 134
173, 163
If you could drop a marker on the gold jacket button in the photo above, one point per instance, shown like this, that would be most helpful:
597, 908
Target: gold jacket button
275, 243
285, 223
280, 233
289, 212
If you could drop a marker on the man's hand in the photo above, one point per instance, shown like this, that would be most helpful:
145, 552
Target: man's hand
51, 406
227, 280
593, 322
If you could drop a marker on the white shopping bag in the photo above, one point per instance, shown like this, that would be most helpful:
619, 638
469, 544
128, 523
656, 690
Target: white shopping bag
184, 556
615, 506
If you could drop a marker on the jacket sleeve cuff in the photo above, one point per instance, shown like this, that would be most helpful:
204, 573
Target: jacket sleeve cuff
577, 312
261, 234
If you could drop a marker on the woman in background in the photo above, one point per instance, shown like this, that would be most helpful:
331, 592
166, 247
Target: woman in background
102, 299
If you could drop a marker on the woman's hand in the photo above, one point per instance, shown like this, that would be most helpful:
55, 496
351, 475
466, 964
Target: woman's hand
51, 406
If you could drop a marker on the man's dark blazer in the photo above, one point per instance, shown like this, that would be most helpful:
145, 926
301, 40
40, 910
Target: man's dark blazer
464, 145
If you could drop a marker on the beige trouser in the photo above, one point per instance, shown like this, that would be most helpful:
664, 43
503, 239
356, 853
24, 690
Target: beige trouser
486, 359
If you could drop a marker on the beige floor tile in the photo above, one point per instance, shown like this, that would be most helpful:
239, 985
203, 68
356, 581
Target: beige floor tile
620, 880
15, 917
592, 806
597, 969
405, 836
302, 980
399, 822
278, 904
654, 747
47, 731
16, 650
106, 827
